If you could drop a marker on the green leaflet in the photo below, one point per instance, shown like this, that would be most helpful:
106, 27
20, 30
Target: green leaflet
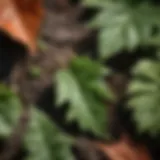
96, 3
147, 112
124, 26
10, 110
45, 141
145, 92
82, 85
148, 69
110, 45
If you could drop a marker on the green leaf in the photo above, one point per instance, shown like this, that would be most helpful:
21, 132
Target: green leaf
145, 99
110, 41
148, 69
10, 110
44, 141
132, 37
142, 87
147, 112
96, 3
82, 85
123, 26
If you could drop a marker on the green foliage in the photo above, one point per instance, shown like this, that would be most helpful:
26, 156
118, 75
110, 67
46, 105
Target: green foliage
127, 25
145, 91
44, 141
124, 26
9, 111
96, 3
82, 85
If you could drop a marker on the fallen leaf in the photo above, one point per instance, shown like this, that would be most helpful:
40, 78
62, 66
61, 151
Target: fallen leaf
125, 149
21, 19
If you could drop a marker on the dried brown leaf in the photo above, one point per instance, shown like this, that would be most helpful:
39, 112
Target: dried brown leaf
125, 149
21, 19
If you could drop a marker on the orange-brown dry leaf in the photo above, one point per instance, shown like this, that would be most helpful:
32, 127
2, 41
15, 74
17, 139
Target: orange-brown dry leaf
125, 149
21, 19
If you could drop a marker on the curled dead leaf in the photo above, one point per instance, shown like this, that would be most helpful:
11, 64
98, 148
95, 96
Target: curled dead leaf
21, 19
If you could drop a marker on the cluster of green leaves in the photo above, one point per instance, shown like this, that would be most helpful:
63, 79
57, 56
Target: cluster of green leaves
83, 85
125, 25
145, 91
43, 139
